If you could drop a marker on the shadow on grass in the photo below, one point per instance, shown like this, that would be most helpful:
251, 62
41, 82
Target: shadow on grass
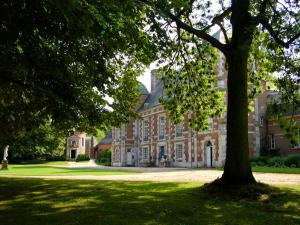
38, 201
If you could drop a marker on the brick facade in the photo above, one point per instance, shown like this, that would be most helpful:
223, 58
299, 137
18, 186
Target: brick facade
132, 147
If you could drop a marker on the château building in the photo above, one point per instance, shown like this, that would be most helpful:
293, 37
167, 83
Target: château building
155, 141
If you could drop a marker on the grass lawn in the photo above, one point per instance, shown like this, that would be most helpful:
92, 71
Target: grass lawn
265, 169
44, 170
71, 202
44, 162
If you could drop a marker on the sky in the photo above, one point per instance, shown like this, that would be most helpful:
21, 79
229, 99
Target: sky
145, 78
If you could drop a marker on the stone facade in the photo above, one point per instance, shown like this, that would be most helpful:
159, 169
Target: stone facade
76, 144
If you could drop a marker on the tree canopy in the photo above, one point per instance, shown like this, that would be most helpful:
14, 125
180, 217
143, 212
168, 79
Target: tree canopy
62, 61
59, 60
259, 38
44, 142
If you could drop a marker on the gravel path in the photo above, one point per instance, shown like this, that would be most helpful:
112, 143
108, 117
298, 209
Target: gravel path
173, 175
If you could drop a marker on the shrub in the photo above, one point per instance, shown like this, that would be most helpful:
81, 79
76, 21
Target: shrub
260, 160
276, 161
82, 157
253, 164
56, 158
104, 158
292, 160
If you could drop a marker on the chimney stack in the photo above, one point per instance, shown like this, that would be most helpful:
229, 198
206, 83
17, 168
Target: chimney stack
154, 79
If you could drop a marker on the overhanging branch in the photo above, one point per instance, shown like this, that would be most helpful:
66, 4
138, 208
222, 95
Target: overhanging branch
275, 36
199, 33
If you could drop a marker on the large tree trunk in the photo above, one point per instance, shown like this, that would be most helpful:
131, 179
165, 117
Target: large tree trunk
237, 168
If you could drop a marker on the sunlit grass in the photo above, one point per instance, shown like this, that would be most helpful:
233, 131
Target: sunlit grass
266, 169
49, 202
50, 170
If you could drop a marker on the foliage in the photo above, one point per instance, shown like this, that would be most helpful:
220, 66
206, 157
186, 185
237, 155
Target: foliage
104, 157
276, 161
82, 157
36, 201
260, 160
183, 31
45, 142
293, 161
61, 60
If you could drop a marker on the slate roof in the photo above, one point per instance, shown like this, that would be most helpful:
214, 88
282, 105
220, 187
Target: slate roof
153, 98
107, 139
143, 89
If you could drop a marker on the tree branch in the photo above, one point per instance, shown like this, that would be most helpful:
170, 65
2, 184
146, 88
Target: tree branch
275, 36
223, 31
219, 18
199, 33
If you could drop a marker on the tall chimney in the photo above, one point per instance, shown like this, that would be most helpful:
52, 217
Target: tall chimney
154, 79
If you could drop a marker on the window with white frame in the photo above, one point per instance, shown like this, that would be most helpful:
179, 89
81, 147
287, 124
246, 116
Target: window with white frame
146, 130
261, 120
179, 151
179, 130
82, 141
145, 154
161, 128
272, 141
297, 145
73, 143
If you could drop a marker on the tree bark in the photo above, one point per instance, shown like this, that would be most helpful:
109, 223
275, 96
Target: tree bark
237, 168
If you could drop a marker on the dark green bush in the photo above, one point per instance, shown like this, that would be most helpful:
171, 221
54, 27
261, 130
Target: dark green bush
253, 164
82, 157
292, 160
56, 158
276, 161
104, 158
260, 160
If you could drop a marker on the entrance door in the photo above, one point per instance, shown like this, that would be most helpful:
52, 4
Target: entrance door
73, 154
208, 152
162, 152
129, 157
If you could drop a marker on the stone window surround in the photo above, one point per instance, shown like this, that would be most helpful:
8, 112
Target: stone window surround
297, 145
175, 146
145, 157
161, 130
146, 138
178, 126
272, 141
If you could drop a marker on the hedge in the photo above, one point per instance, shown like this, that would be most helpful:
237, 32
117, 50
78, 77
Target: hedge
104, 158
277, 161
